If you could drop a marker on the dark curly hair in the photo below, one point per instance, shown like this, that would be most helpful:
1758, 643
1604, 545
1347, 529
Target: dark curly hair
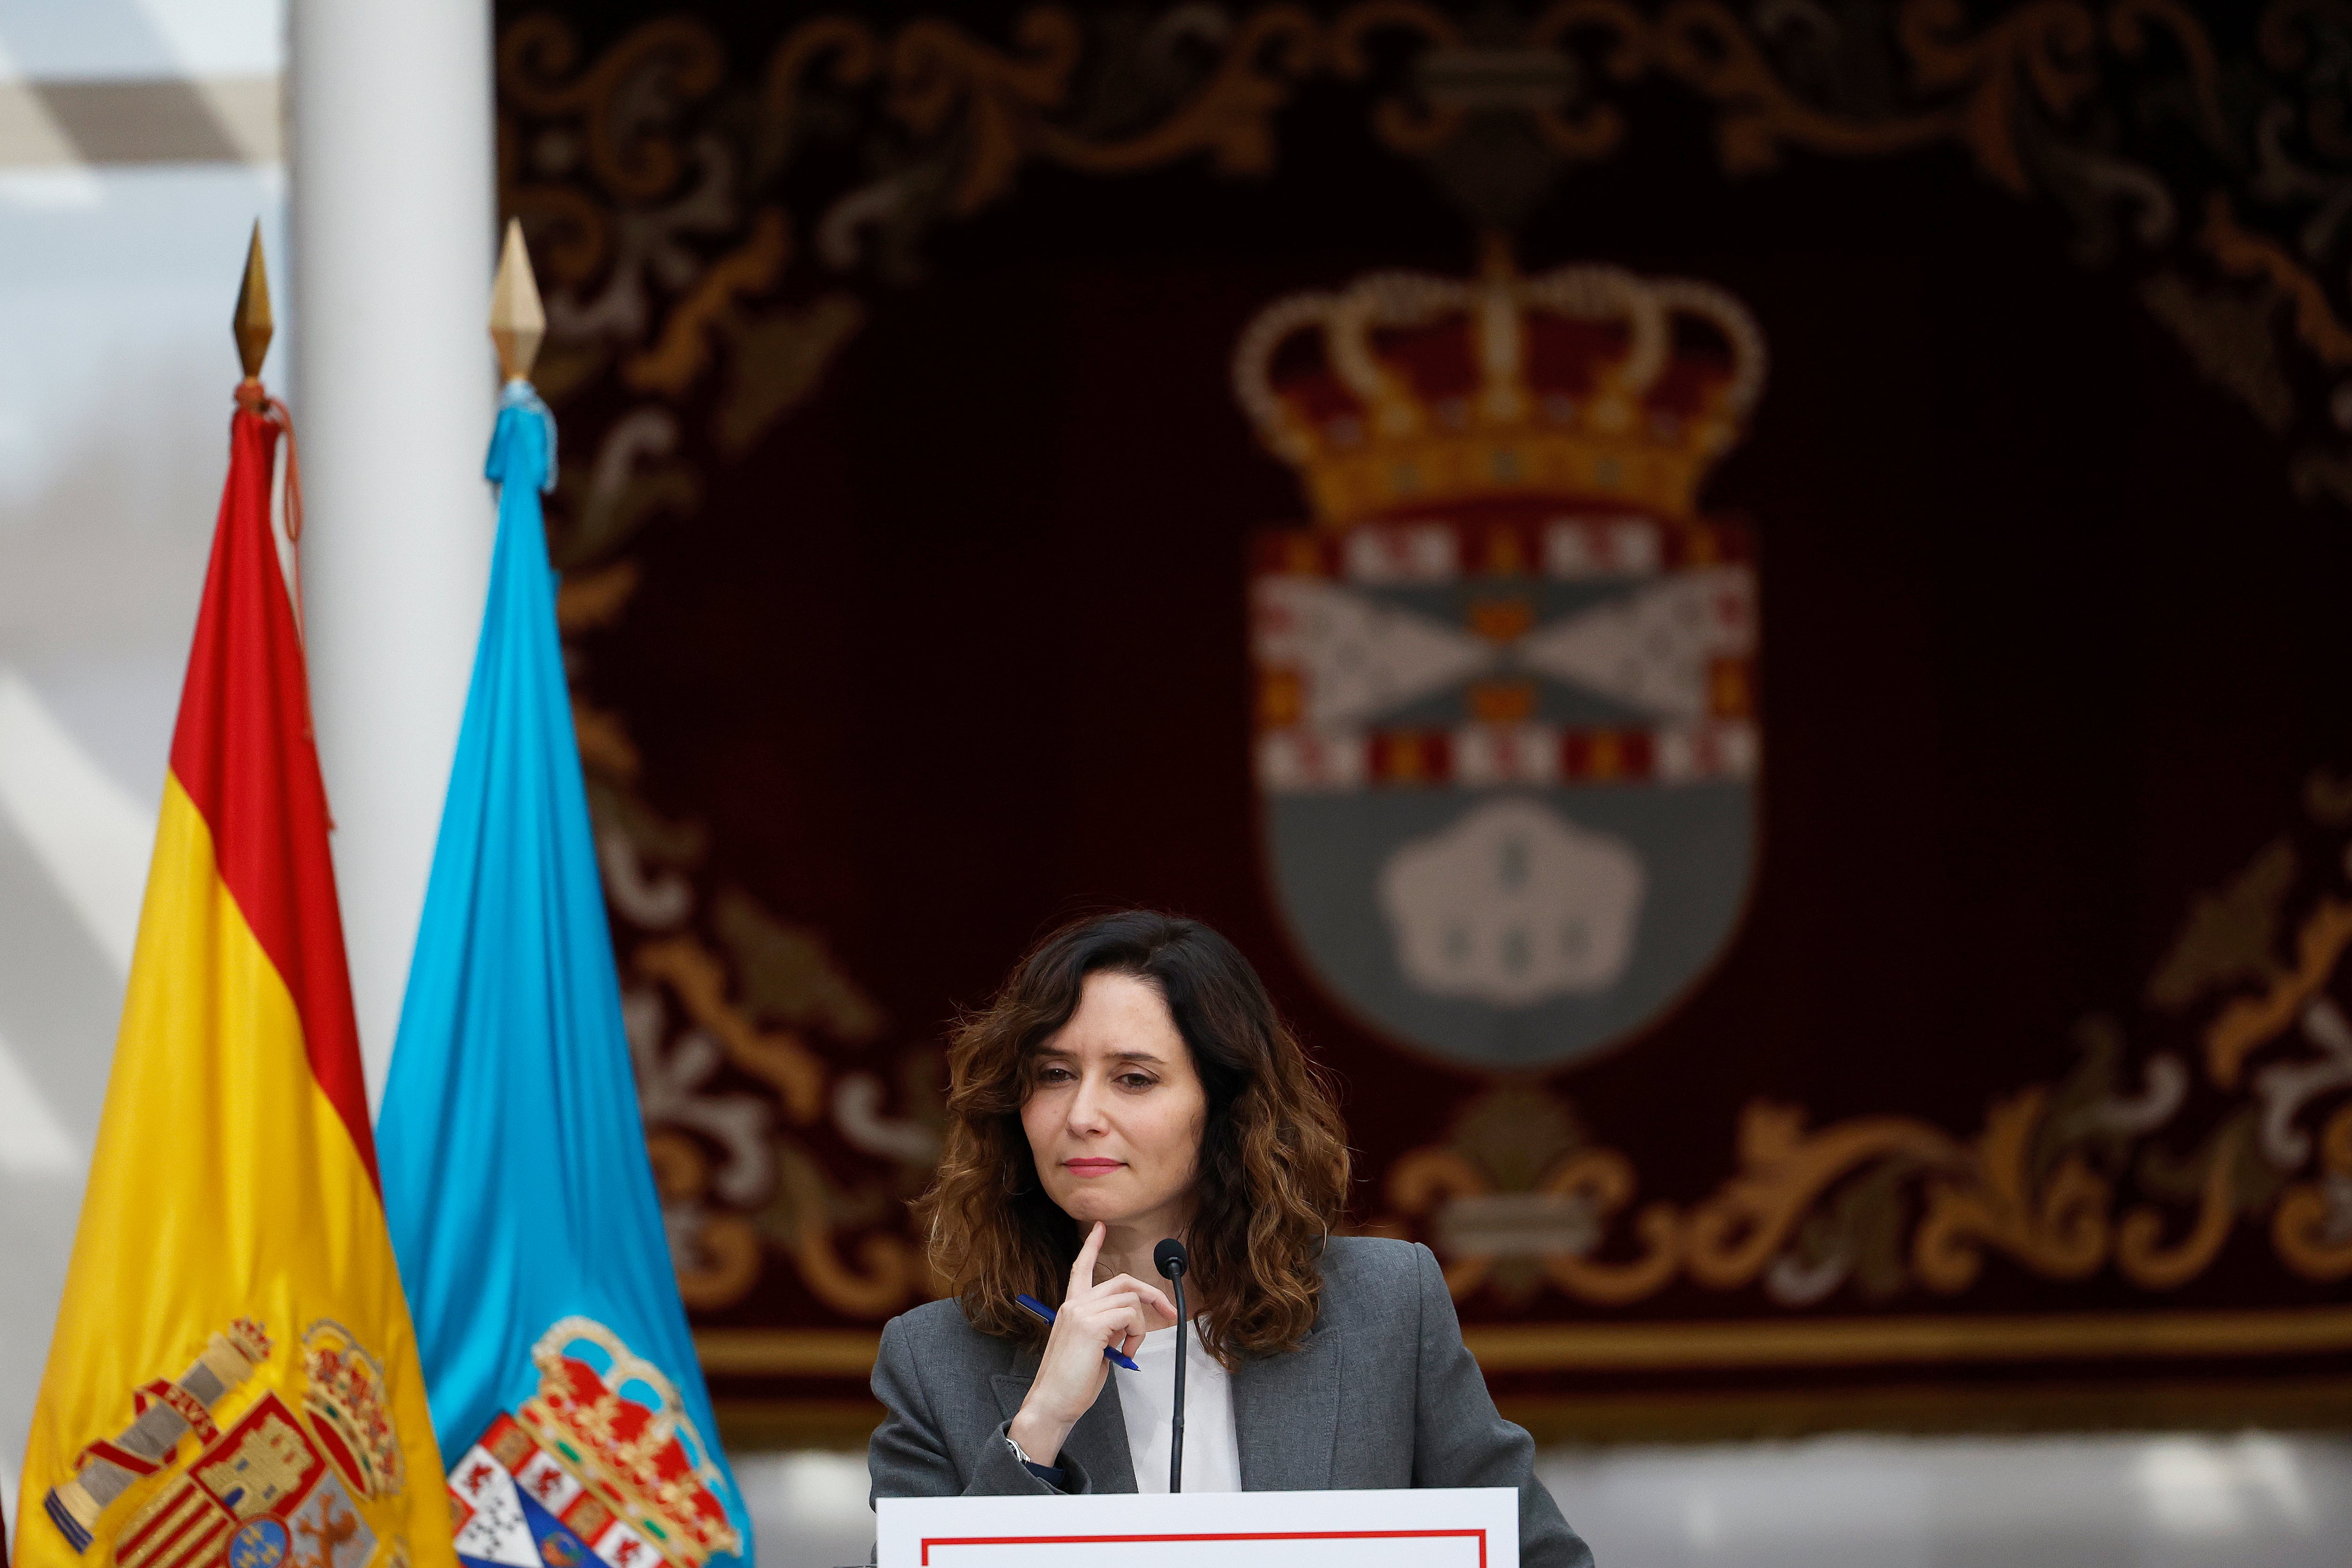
1273, 1171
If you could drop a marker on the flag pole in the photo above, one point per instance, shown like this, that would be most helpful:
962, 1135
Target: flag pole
517, 319
252, 324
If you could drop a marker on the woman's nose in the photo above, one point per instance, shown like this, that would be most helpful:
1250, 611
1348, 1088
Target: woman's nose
1087, 1107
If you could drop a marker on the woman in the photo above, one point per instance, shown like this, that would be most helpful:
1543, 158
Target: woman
1131, 1082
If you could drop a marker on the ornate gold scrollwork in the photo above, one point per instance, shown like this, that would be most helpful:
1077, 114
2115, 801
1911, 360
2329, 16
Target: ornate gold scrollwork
1422, 1181
1408, 125
2312, 1227
940, 75
1602, 1180
2250, 1022
1599, 128
845, 41
780, 1057
634, 160
676, 362
721, 1255
1733, 1234
1231, 117
2140, 1254
2057, 1225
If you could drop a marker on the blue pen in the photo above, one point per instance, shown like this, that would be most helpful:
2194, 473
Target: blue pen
1047, 1312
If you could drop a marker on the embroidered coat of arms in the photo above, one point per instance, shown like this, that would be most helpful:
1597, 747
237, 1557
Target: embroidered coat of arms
293, 1484
601, 1462
1507, 737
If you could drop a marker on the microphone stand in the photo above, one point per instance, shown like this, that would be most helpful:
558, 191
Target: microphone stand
1176, 1433
1171, 1259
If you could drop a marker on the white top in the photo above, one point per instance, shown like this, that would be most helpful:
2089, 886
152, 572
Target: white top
1147, 1399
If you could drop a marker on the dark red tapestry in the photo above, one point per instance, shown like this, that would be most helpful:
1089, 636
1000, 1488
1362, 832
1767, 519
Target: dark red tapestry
1746, 618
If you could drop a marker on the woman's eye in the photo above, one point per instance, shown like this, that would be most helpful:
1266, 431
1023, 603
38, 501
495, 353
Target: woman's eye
1134, 1081
1054, 1075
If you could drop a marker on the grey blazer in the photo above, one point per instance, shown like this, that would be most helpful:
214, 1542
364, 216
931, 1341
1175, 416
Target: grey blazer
1381, 1394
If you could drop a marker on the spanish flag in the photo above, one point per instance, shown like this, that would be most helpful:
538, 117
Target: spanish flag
233, 1381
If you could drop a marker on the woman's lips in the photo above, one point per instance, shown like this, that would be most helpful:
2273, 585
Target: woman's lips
1091, 1167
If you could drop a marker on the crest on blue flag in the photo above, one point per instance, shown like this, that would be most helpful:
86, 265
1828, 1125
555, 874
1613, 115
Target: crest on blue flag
602, 1461
1507, 739
516, 1180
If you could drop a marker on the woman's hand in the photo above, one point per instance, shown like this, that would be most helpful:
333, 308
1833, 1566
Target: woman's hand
1070, 1377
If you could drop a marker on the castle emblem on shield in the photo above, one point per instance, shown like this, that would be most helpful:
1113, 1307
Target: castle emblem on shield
1507, 743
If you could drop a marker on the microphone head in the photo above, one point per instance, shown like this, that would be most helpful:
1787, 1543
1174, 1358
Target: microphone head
1171, 1259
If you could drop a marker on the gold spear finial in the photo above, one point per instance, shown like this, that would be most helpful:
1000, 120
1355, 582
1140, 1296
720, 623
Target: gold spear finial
251, 323
518, 321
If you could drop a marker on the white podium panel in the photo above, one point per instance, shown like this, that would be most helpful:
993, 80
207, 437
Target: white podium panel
1455, 1529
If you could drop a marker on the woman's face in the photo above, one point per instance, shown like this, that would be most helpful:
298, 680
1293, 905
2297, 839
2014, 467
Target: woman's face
1115, 1112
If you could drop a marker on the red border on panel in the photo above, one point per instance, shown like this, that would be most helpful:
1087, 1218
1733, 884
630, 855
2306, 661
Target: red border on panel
932, 1541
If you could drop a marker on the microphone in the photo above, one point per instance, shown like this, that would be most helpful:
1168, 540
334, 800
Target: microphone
1172, 1260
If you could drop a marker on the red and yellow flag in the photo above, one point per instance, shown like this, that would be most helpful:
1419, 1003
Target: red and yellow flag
234, 1381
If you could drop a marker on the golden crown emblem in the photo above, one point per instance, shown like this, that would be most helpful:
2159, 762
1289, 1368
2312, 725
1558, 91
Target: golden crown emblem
349, 1404
646, 1463
249, 1339
1405, 389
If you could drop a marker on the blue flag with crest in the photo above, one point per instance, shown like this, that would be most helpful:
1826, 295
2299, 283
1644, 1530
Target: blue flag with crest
563, 1382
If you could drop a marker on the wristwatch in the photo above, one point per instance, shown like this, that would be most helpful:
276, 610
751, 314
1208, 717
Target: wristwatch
1050, 1474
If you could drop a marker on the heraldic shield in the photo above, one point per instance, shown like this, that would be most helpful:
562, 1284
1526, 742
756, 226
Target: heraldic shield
1507, 743
602, 1462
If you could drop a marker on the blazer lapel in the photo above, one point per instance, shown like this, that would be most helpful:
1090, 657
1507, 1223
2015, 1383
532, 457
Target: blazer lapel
1097, 1443
1286, 1417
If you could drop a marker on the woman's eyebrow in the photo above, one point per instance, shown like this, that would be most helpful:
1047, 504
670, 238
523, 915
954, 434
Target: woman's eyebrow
1145, 1056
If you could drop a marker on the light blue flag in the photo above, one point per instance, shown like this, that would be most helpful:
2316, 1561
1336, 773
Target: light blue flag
564, 1381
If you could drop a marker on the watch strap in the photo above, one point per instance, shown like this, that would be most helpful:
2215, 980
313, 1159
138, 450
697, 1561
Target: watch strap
1049, 1474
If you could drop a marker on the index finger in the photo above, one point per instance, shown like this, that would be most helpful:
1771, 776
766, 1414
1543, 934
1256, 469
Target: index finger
1151, 1293
1082, 1272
